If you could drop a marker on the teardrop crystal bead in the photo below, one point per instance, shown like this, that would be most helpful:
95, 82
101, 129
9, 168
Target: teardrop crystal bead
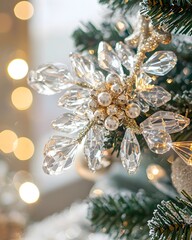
155, 96
130, 152
82, 67
158, 141
98, 78
143, 81
184, 150
160, 63
70, 124
125, 54
59, 154
166, 121
142, 104
74, 98
108, 60
93, 147
50, 79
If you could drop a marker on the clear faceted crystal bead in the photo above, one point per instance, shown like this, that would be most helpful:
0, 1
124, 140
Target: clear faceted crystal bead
108, 59
98, 78
49, 79
70, 124
74, 98
155, 96
160, 63
158, 141
82, 67
166, 121
184, 150
130, 152
142, 104
59, 154
143, 81
93, 147
125, 54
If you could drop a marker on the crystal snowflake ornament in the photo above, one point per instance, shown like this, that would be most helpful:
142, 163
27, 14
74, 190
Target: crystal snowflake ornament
99, 98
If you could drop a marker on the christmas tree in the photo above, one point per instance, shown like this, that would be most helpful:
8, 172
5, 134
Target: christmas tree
128, 90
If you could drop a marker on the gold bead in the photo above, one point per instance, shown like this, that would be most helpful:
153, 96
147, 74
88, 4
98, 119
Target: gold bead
111, 123
132, 110
104, 99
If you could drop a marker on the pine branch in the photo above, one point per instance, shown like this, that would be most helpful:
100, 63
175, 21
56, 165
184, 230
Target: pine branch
121, 4
122, 216
174, 15
172, 221
89, 36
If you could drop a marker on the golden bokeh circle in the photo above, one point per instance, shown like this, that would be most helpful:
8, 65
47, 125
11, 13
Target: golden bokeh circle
29, 192
24, 10
18, 69
8, 141
22, 98
24, 149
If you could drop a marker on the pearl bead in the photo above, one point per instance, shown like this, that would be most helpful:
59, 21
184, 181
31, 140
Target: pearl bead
113, 78
112, 109
116, 88
92, 104
104, 99
111, 123
100, 114
132, 110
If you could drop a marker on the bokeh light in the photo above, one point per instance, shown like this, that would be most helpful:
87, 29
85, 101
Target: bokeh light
155, 172
18, 69
6, 23
24, 148
22, 98
29, 192
8, 141
24, 10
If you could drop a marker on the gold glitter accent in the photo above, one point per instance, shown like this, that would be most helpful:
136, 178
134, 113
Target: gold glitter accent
182, 176
132, 124
85, 131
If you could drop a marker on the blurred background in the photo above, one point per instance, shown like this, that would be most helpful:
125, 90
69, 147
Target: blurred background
32, 33
33, 205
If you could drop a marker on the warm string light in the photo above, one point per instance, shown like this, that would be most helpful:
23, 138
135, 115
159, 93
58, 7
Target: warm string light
29, 192
18, 69
24, 148
96, 192
155, 172
121, 26
24, 10
8, 141
22, 98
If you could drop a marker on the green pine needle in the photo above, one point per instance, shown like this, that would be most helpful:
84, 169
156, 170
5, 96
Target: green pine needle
89, 36
172, 220
174, 15
120, 4
122, 216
